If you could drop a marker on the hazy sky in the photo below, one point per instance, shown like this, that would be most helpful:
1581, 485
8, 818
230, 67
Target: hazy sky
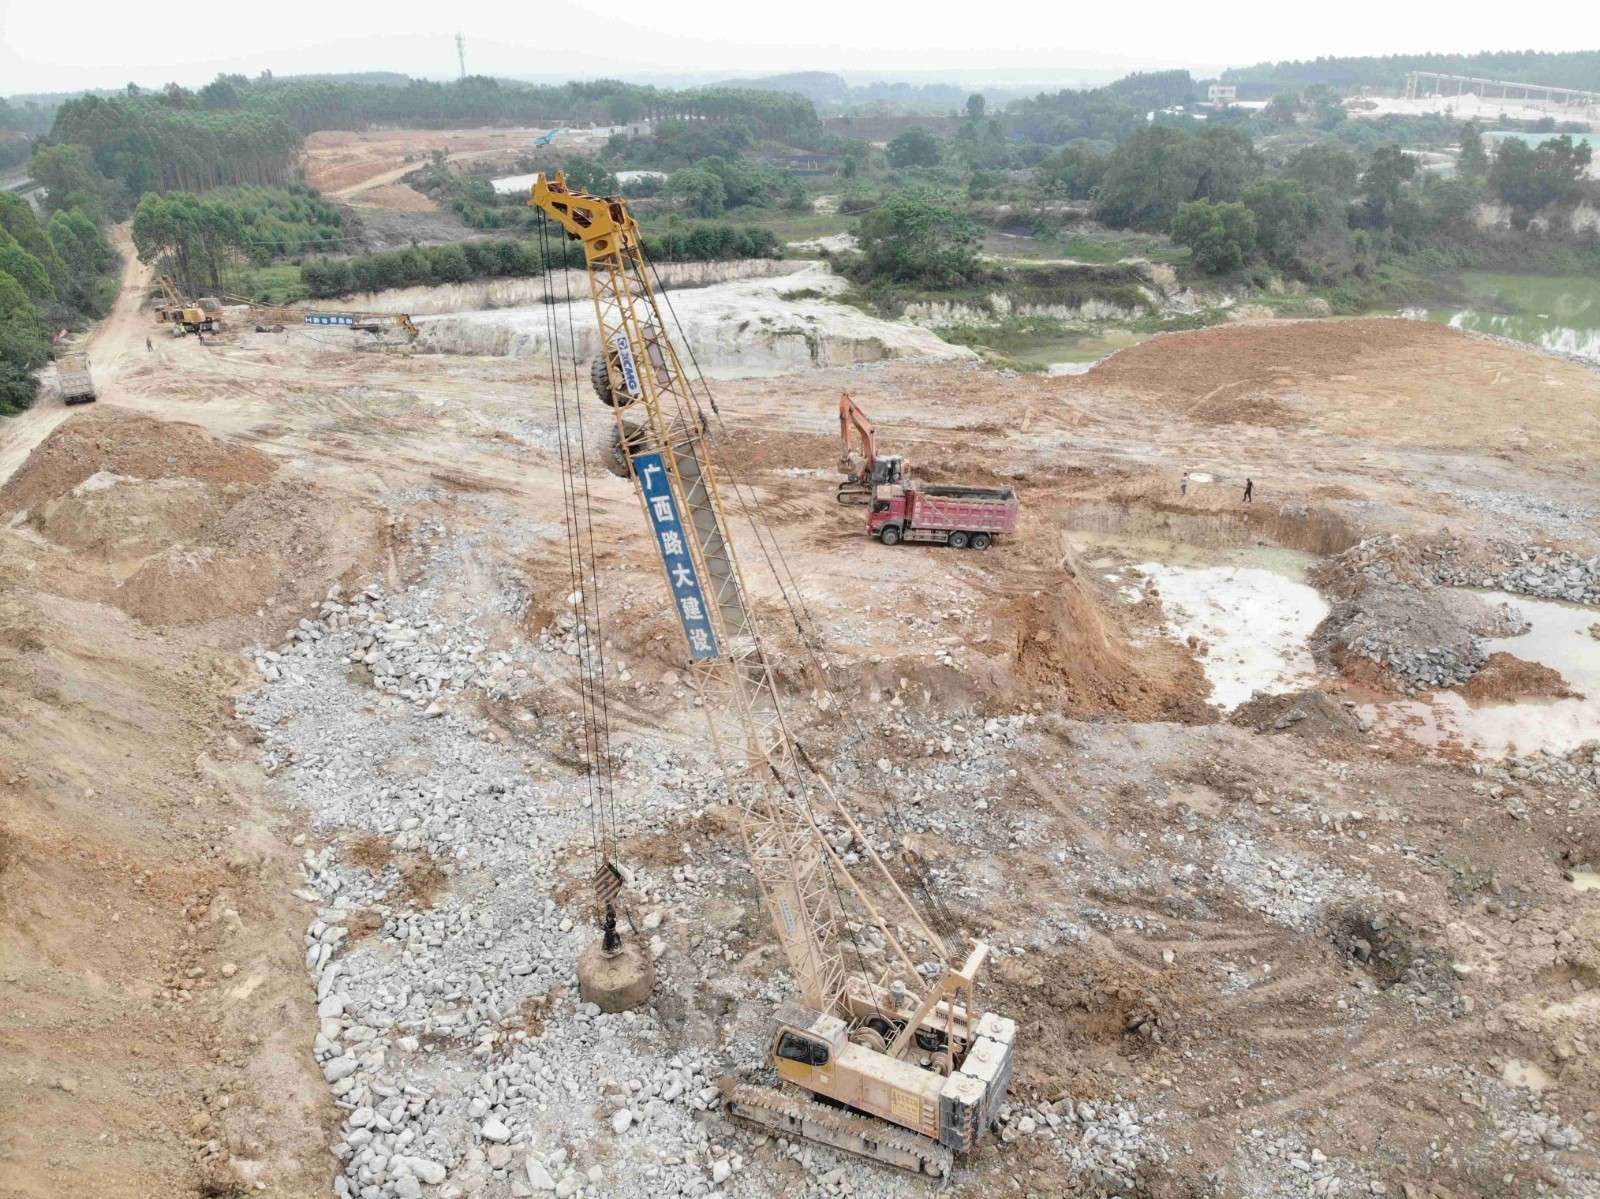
48, 46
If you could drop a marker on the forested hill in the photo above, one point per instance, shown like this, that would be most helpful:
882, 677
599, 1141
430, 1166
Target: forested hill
1573, 68
238, 131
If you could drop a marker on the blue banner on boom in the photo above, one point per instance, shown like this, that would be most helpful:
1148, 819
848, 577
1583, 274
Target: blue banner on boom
651, 471
326, 318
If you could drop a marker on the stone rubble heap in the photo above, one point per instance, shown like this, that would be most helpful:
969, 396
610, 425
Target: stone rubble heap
1543, 572
1286, 888
414, 660
1298, 1168
444, 968
1105, 1142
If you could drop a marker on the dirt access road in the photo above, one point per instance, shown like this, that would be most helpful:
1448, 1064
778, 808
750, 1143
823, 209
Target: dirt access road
1256, 963
350, 166
109, 347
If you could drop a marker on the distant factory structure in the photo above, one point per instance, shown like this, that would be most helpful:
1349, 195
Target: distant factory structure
1422, 85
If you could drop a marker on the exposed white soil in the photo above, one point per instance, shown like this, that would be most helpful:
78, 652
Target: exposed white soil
745, 327
516, 293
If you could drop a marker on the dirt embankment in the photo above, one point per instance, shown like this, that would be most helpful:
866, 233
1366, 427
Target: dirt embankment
150, 947
191, 528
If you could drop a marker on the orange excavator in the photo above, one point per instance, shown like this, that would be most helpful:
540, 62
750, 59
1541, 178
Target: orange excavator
875, 471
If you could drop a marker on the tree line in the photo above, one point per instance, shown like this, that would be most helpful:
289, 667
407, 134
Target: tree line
308, 105
1106, 113
1324, 217
508, 258
51, 275
201, 236
1571, 68
169, 141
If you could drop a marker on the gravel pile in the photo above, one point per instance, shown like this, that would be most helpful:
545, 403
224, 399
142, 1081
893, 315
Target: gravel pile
1554, 518
1290, 1165
1540, 571
1106, 1142
1288, 889
1423, 639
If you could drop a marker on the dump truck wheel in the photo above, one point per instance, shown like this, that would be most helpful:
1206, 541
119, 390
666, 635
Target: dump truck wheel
958, 541
980, 541
890, 535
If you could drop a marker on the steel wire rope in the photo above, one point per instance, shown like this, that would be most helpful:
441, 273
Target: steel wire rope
568, 501
604, 739
921, 880
683, 415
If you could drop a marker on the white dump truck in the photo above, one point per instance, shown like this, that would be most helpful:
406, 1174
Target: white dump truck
77, 384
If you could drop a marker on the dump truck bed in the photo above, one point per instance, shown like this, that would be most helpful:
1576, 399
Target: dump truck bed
970, 509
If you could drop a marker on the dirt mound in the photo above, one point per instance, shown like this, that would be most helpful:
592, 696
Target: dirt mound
399, 197
1067, 649
116, 517
1505, 678
1313, 714
257, 548
106, 441
1224, 371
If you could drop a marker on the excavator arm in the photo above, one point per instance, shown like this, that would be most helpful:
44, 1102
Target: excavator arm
851, 417
857, 486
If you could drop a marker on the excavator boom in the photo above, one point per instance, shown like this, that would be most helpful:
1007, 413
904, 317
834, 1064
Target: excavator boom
857, 486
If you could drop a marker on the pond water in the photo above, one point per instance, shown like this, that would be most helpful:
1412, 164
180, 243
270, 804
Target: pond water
1559, 639
1069, 353
1256, 623
1256, 613
1554, 312
1250, 604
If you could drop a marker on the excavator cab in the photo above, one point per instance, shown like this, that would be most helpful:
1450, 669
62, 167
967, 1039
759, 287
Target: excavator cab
888, 469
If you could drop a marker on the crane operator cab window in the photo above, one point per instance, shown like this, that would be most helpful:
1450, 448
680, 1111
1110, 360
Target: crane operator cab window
795, 1048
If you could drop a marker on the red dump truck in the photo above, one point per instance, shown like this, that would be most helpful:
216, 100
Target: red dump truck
959, 517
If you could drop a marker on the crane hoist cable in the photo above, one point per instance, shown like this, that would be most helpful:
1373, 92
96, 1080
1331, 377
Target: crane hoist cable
592, 592
588, 630
810, 634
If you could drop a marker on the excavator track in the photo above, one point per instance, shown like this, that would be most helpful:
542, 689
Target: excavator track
789, 1116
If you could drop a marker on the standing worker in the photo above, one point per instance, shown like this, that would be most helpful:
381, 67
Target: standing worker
1249, 491
1183, 486
148, 348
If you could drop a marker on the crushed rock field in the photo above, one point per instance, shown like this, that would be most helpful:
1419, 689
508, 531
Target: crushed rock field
295, 840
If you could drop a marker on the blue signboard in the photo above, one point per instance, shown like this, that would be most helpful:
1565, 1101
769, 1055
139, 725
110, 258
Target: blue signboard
326, 318
651, 471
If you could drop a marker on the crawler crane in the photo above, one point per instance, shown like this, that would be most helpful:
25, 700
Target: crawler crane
923, 1070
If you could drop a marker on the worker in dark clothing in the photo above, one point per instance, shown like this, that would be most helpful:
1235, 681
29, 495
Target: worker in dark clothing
148, 347
1249, 491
